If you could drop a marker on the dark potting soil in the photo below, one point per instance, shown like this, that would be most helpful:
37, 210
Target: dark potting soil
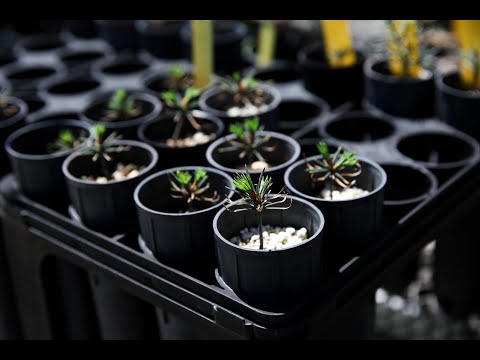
99, 112
73, 87
223, 101
161, 131
161, 84
7, 111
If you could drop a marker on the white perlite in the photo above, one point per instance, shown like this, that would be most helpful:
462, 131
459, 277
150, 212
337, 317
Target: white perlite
247, 110
273, 238
199, 138
122, 172
344, 194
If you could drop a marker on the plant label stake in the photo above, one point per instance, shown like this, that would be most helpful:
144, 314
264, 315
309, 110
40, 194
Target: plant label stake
404, 48
468, 35
267, 38
338, 43
202, 51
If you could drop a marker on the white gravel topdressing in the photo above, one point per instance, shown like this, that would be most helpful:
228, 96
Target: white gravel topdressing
122, 172
199, 138
344, 194
247, 110
274, 238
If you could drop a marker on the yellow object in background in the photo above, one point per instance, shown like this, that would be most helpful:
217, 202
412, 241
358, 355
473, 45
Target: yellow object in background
267, 39
202, 52
404, 47
467, 33
339, 48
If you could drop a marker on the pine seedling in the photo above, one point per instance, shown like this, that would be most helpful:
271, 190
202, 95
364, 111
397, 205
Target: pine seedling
121, 105
257, 197
191, 188
338, 169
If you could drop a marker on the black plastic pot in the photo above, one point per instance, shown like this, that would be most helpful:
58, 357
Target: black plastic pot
161, 40
384, 91
442, 153
351, 225
108, 207
52, 115
156, 131
271, 280
335, 85
178, 239
408, 186
81, 59
39, 48
359, 126
84, 29
39, 173
213, 101
228, 38
280, 74
120, 34
151, 108
155, 79
120, 71
296, 112
68, 93
8, 126
25, 77
286, 153
456, 106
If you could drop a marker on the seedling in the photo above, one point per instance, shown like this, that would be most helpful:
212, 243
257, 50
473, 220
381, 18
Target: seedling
470, 68
403, 45
183, 105
256, 197
336, 170
101, 147
66, 141
248, 141
191, 188
179, 79
244, 90
121, 105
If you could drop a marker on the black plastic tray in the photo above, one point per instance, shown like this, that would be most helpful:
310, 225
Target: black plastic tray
171, 290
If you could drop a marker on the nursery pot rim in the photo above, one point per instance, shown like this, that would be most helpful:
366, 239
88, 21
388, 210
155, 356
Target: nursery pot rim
303, 61
18, 67
370, 73
34, 117
136, 194
170, 114
355, 114
100, 95
214, 90
444, 165
420, 169
132, 143
24, 44
37, 126
274, 135
218, 235
103, 50
450, 90
380, 187
98, 68
46, 84
22, 112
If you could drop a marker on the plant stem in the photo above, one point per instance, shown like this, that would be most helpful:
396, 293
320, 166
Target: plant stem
178, 128
260, 228
331, 190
